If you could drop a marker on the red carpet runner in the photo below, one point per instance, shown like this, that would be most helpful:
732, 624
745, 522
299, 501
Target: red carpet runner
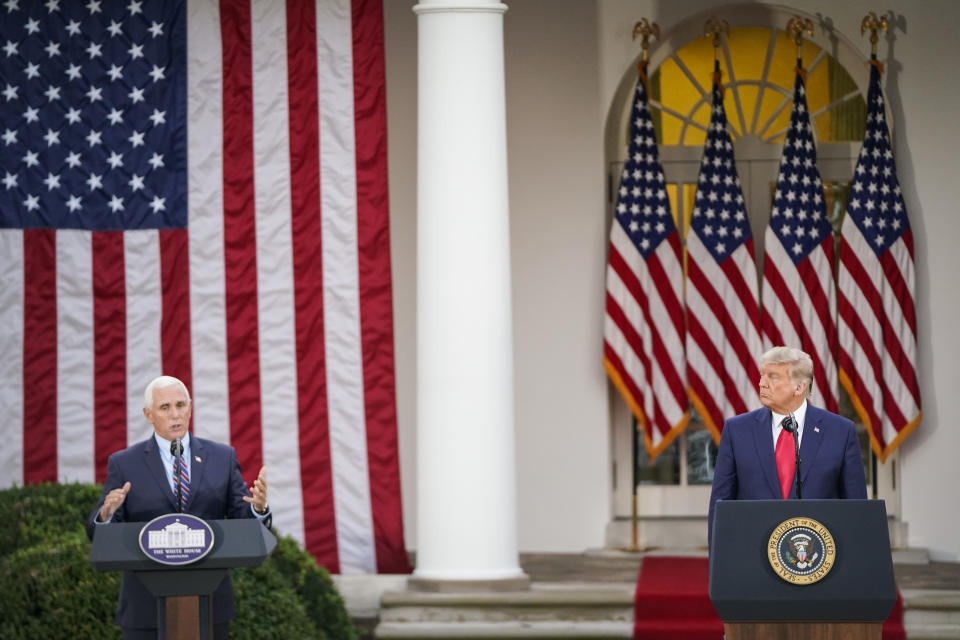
672, 603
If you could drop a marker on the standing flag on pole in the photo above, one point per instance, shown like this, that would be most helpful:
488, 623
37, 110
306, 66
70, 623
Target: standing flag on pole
199, 189
723, 303
799, 294
643, 327
877, 323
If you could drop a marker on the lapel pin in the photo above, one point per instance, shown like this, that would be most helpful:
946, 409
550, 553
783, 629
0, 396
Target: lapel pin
197, 458
815, 430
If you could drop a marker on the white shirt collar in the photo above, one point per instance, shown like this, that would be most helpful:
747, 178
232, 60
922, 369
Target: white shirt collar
164, 445
800, 415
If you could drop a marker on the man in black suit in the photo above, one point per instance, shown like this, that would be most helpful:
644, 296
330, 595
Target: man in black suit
749, 457
141, 485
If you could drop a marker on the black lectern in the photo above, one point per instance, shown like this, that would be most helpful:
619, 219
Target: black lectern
784, 569
184, 607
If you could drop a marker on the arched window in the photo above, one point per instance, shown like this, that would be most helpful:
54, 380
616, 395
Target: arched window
757, 64
759, 89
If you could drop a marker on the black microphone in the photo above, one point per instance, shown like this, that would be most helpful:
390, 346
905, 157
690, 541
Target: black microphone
176, 449
793, 427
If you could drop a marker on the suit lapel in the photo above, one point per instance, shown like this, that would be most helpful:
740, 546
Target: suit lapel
763, 441
197, 465
153, 462
812, 438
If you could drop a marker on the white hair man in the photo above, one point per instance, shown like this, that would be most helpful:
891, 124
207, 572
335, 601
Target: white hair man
756, 459
142, 483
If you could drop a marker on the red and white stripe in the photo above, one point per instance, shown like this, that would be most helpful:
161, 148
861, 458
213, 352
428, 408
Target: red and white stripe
274, 307
798, 310
643, 335
877, 328
723, 332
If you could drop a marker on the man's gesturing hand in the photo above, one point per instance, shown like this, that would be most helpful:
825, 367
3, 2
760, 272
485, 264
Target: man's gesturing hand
258, 492
113, 501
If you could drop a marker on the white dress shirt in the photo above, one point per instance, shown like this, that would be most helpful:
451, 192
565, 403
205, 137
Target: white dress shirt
164, 445
799, 415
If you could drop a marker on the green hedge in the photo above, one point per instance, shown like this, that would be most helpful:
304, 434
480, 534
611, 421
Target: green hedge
49, 590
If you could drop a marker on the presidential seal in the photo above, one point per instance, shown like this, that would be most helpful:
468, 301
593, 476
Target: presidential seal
801, 551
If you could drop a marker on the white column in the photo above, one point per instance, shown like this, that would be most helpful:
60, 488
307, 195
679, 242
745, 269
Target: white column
466, 484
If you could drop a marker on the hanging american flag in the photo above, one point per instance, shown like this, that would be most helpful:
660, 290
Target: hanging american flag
723, 302
876, 317
643, 327
199, 189
799, 294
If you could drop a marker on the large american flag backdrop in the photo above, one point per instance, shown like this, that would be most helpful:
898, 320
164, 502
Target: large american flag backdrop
723, 302
643, 326
799, 292
199, 189
876, 315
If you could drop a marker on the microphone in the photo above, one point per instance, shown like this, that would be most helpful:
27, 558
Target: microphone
793, 427
176, 449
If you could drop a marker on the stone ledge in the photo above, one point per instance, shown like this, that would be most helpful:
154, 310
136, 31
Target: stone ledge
930, 599
555, 595
361, 592
507, 631
910, 555
504, 585
503, 615
933, 632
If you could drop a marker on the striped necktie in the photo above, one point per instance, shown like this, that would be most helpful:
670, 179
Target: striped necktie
180, 469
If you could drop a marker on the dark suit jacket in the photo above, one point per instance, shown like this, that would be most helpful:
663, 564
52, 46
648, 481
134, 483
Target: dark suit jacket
746, 466
217, 491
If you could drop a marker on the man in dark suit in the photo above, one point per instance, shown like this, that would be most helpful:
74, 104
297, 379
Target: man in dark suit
756, 458
141, 485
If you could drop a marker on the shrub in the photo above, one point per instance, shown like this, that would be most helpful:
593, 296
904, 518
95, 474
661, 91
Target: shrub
322, 601
36, 513
268, 607
49, 589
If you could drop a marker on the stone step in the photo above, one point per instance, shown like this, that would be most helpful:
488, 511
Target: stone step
930, 614
910, 555
568, 602
547, 610
582, 610
597, 630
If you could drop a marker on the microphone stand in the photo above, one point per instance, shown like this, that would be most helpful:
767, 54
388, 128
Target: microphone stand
795, 430
176, 448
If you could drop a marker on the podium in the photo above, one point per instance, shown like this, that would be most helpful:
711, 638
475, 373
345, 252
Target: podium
184, 605
766, 583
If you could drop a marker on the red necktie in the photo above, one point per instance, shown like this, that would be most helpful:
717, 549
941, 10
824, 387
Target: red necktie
786, 460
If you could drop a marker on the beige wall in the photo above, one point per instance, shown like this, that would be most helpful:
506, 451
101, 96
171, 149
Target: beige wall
564, 61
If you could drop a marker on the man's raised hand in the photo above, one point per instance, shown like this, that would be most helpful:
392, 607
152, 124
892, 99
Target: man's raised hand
113, 501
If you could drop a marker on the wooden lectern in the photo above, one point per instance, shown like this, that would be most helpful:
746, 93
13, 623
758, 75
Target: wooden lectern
812, 569
184, 606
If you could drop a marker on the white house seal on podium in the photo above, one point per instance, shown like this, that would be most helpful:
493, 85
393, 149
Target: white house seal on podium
176, 538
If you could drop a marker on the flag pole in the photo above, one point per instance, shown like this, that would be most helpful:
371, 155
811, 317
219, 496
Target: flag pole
713, 29
873, 24
797, 26
634, 515
643, 29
